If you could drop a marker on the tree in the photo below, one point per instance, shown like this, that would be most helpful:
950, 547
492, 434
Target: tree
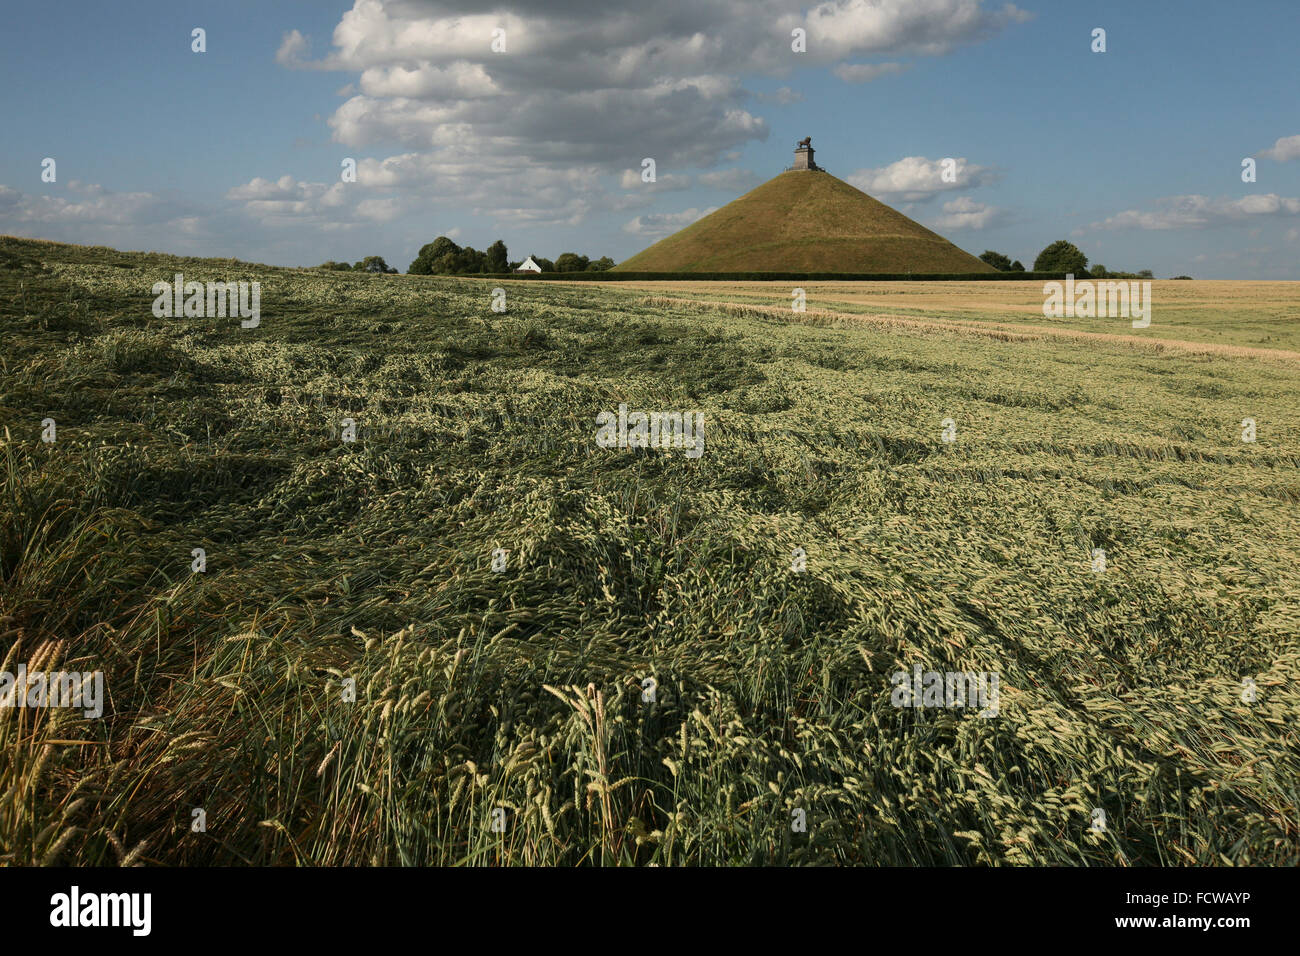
1098, 271
571, 262
468, 260
1146, 274
997, 260
497, 260
546, 264
444, 257
1017, 266
438, 249
1062, 256
334, 266
603, 264
373, 264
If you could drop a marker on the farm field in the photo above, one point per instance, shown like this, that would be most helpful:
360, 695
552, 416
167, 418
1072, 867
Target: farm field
826, 538
1225, 312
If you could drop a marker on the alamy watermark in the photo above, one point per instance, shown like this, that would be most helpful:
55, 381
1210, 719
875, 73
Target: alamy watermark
75, 908
83, 690
972, 689
1088, 299
208, 300
651, 430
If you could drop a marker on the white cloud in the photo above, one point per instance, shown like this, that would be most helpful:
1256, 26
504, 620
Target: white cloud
670, 37
964, 213
466, 81
573, 90
732, 180
668, 182
916, 179
782, 96
262, 189
99, 206
934, 27
288, 202
87, 189
663, 224
866, 72
1198, 212
1284, 150
90, 214
380, 210
294, 49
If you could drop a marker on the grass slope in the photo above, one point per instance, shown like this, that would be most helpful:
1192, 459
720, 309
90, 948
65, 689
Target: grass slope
805, 222
521, 690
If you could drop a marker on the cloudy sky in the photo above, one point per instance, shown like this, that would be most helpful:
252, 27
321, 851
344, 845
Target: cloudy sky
1134, 154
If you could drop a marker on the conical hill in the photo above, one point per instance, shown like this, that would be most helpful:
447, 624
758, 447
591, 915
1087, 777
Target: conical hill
805, 221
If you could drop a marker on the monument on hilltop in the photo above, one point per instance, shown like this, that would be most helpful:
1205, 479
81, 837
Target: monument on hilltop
805, 224
803, 155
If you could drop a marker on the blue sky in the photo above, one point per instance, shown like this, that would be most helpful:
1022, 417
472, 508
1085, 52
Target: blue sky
1134, 154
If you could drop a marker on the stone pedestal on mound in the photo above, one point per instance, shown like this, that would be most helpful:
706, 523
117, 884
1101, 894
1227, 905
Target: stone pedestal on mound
803, 158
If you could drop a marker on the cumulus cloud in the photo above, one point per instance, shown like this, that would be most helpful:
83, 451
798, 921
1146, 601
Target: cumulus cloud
670, 37
917, 179
294, 50
287, 199
782, 96
866, 72
932, 27
535, 196
91, 204
264, 189
380, 210
597, 93
658, 225
87, 189
465, 81
1199, 212
965, 213
1284, 150
288, 202
668, 182
88, 213
732, 180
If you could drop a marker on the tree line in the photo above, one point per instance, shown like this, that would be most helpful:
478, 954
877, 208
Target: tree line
368, 264
1065, 257
444, 257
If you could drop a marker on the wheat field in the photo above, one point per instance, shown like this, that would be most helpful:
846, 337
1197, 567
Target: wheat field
432, 645
1252, 314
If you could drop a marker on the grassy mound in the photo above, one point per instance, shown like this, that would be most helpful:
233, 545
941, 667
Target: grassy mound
806, 221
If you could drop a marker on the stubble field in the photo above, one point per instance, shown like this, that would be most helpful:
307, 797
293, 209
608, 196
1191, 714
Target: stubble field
1216, 312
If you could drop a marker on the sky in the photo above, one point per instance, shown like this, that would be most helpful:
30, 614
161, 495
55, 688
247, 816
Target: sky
1134, 154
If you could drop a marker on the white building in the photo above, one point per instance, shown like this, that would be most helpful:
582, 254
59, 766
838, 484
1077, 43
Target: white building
528, 265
